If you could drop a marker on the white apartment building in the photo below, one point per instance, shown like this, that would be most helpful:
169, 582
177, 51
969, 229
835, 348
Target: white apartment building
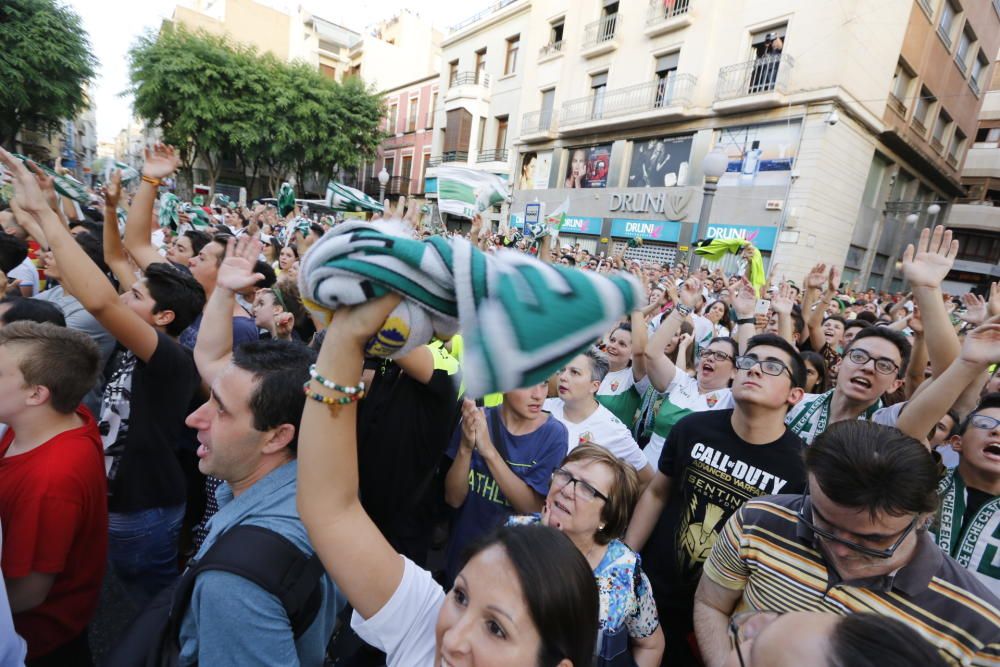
841, 120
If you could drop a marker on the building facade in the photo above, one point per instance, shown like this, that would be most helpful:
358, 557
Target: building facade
405, 154
975, 219
842, 122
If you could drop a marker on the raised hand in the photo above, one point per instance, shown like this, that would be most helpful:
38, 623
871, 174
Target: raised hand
975, 308
982, 344
236, 271
932, 259
683, 342
782, 300
744, 299
113, 190
816, 277
30, 197
161, 161
283, 325
833, 279
690, 291
994, 303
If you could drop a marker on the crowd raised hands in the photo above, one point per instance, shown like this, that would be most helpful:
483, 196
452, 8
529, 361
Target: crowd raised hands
627, 505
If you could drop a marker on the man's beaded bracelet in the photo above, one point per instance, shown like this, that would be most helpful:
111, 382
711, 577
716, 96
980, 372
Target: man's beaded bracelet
329, 384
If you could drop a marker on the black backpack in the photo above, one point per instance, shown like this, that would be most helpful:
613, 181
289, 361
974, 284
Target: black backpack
276, 565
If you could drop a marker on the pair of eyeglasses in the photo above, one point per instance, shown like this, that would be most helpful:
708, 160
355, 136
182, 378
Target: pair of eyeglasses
581, 489
714, 355
748, 625
767, 366
984, 422
809, 523
883, 365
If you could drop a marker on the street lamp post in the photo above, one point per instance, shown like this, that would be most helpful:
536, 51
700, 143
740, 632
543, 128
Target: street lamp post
383, 180
713, 166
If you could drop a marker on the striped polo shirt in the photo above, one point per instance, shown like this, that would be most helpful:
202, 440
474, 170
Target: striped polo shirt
774, 559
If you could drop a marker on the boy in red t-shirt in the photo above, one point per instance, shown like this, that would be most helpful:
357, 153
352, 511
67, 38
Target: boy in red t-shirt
53, 491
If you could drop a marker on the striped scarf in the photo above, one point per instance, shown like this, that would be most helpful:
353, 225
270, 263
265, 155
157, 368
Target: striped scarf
521, 319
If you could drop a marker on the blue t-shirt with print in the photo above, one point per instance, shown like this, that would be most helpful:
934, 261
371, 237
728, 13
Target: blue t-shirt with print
532, 457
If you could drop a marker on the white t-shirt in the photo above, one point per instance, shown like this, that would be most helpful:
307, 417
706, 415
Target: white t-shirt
617, 382
404, 628
12, 648
600, 428
27, 274
683, 398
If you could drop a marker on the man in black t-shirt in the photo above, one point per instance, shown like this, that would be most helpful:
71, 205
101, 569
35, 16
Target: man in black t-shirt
405, 422
712, 463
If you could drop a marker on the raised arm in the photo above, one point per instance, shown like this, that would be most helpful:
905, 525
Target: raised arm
114, 252
926, 267
980, 349
918, 356
161, 162
744, 303
781, 304
659, 367
344, 536
214, 348
640, 338
80, 276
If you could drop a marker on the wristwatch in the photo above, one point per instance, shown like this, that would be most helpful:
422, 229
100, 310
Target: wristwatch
684, 310
745, 320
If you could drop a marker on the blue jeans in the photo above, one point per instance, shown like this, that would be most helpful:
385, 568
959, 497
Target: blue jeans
143, 549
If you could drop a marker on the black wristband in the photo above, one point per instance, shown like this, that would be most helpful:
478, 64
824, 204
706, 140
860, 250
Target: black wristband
745, 320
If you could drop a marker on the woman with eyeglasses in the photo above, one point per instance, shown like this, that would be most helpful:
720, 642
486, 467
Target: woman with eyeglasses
590, 501
525, 595
769, 639
684, 394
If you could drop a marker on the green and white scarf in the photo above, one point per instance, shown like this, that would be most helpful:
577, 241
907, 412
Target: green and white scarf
466, 192
129, 174
813, 418
169, 210
521, 319
976, 546
286, 199
65, 184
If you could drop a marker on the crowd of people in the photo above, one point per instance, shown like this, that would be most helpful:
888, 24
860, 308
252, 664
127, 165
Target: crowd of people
736, 474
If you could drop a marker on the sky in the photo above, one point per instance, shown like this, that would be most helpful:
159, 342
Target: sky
113, 27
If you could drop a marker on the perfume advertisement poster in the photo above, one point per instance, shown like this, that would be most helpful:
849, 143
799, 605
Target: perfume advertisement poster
588, 167
661, 162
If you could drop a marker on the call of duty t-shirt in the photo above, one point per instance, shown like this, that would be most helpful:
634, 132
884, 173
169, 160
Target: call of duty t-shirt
712, 473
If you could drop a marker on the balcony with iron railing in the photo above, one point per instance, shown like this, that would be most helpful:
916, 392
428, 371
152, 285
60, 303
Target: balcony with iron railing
754, 83
599, 36
497, 155
663, 17
538, 125
550, 49
470, 79
651, 101
479, 16
448, 156
468, 87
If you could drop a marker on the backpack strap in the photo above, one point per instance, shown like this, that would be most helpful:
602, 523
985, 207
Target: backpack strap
276, 565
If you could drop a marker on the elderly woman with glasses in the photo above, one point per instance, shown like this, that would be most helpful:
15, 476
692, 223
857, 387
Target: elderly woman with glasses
591, 500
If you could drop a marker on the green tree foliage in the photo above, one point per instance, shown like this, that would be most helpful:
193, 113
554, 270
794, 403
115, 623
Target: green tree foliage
45, 64
212, 98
